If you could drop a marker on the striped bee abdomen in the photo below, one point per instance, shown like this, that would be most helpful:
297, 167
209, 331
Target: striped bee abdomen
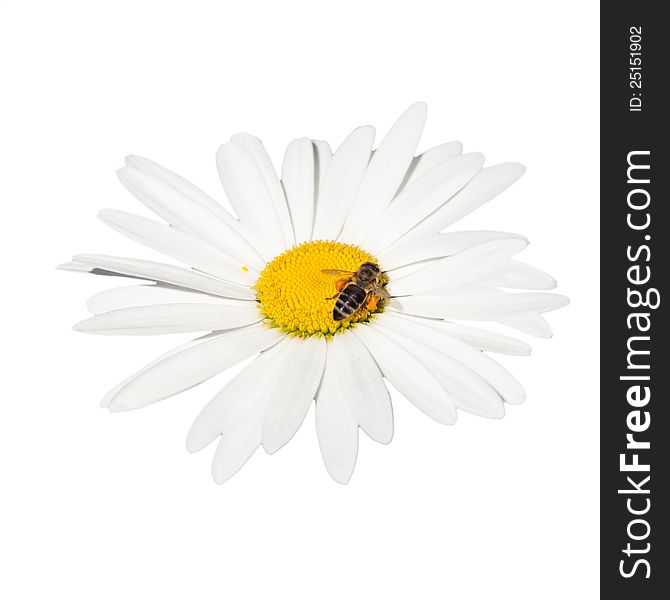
351, 298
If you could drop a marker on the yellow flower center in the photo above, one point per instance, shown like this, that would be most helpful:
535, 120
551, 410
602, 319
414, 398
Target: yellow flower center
293, 290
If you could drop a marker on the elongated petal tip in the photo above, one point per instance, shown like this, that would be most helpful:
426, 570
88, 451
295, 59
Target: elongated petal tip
124, 175
557, 301
107, 214
300, 140
121, 403
515, 245
515, 168
128, 176
448, 420
113, 405
90, 325
414, 119
271, 446
367, 130
219, 479
222, 147
195, 443
221, 475
191, 447
420, 108
496, 415
342, 477
381, 436
475, 157
519, 398
243, 137
72, 266
133, 160
83, 326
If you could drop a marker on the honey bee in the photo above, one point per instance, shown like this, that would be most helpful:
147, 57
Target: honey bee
356, 289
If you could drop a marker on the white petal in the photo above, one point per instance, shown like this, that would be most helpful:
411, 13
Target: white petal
437, 245
481, 339
243, 426
256, 149
425, 162
385, 173
336, 428
422, 198
480, 305
192, 364
469, 391
408, 375
74, 267
160, 272
513, 274
293, 392
341, 180
322, 158
298, 179
240, 442
247, 392
441, 271
251, 198
437, 338
183, 186
111, 394
188, 215
505, 274
362, 386
488, 183
170, 318
145, 295
399, 272
179, 245
527, 322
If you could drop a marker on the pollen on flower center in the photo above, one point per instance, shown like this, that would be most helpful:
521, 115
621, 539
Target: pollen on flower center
293, 291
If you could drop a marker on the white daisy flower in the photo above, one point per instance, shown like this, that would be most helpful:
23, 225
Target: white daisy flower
285, 281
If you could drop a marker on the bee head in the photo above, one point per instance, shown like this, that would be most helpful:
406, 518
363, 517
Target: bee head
368, 272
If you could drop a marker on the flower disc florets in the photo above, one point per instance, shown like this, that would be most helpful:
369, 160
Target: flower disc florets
293, 291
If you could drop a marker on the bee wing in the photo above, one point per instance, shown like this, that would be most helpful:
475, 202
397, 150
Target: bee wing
382, 292
337, 273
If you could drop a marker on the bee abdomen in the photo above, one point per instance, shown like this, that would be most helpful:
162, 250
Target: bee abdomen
351, 298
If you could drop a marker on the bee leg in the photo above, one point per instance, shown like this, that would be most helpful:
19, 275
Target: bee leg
339, 286
372, 302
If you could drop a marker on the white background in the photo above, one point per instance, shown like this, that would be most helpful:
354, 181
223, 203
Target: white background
99, 505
